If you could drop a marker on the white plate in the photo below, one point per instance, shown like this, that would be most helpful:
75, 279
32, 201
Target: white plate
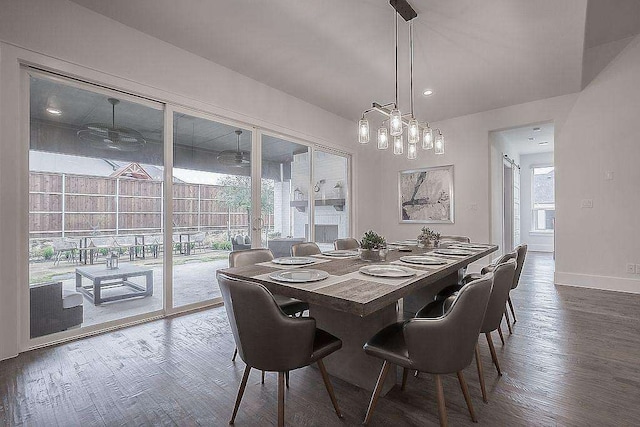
294, 260
456, 252
422, 260
299, 276
387, 271
342, 253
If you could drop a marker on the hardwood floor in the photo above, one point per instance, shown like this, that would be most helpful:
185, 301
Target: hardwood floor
573, 360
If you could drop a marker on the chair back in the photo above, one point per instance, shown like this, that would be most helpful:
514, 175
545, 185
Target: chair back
346, 244
502, 281
463, 239
249, 257
266, 338
522, 254
446, 344
305, 249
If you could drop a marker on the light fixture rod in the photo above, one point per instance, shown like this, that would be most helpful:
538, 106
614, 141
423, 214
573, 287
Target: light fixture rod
396, 24
411, 65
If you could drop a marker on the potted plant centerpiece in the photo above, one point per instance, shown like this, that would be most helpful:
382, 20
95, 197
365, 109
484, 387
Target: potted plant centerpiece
373, 247
428, 238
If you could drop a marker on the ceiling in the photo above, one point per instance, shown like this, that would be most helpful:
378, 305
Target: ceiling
80, 106
336, 54
518, 139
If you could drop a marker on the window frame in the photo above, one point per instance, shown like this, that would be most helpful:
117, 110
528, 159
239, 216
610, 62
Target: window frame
547, 207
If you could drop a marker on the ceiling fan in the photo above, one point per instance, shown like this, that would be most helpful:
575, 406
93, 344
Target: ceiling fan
235, 158
111, 137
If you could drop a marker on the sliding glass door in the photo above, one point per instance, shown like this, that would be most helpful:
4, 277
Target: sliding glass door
96, 169
284, 194
211, 203
332, 206
135, 204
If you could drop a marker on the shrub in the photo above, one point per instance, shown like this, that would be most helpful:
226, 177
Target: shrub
47, 252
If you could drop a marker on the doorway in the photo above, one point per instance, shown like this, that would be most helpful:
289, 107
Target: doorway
523, 187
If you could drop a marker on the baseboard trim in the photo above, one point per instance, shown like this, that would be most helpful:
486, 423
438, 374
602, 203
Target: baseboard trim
605, 283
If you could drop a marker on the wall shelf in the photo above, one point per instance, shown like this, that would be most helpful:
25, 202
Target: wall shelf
301, 205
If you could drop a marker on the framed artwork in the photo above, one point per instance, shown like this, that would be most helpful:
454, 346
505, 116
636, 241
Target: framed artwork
426, 195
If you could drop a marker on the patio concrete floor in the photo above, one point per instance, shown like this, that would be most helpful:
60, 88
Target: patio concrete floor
194, 280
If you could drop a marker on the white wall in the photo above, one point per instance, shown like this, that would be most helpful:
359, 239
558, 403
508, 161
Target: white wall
469, 150
536, 241
61, 35
600, 134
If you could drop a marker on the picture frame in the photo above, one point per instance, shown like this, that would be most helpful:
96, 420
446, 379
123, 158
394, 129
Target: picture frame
426, 196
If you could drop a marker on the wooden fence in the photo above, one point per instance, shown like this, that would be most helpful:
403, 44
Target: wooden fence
65, 205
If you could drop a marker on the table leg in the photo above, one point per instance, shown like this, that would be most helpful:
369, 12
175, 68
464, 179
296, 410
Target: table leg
149, 277
351, 363
97, 287
78, 281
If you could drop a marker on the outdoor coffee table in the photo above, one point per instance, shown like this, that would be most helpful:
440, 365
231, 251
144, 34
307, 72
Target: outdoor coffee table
103, 278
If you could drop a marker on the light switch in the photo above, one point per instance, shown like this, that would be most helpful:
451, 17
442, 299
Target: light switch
586, 203
608, 175
473, 207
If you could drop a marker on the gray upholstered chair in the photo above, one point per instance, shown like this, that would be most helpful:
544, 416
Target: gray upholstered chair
519, 253
522, 255
269, 340
346, 244
441, 345
305, 249
290, 306
450, 290
502, 279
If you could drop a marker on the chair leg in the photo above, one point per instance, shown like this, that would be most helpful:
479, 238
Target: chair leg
506, 316
286, 379
500, 333
376, 392
329, 386
512, 310
494, 356
262, 377
235, 353
483, 387
467, 398
243, 384
280, 399
405, 372
442, 408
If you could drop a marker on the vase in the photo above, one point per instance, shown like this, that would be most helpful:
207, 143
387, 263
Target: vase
373, 255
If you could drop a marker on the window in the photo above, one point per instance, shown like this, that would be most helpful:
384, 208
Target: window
543, 198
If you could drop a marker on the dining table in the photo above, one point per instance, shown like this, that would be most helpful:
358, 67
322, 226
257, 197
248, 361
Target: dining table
354, 306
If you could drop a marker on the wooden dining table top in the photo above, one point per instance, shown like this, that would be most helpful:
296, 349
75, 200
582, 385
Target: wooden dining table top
353, 292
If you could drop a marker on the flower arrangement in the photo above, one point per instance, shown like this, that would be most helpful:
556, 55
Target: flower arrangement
373, 247
372, 240
428, 237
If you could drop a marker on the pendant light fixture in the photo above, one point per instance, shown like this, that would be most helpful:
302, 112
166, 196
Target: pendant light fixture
396, 120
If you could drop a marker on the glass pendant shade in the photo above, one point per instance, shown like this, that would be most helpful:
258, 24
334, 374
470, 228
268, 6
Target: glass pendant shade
395, 122
413, 132
383, 138
398, 145
363, 131
439, 143
412, 151
427, 138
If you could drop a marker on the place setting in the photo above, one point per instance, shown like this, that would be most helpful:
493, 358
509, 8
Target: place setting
341, 253
292, 262
423, 260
